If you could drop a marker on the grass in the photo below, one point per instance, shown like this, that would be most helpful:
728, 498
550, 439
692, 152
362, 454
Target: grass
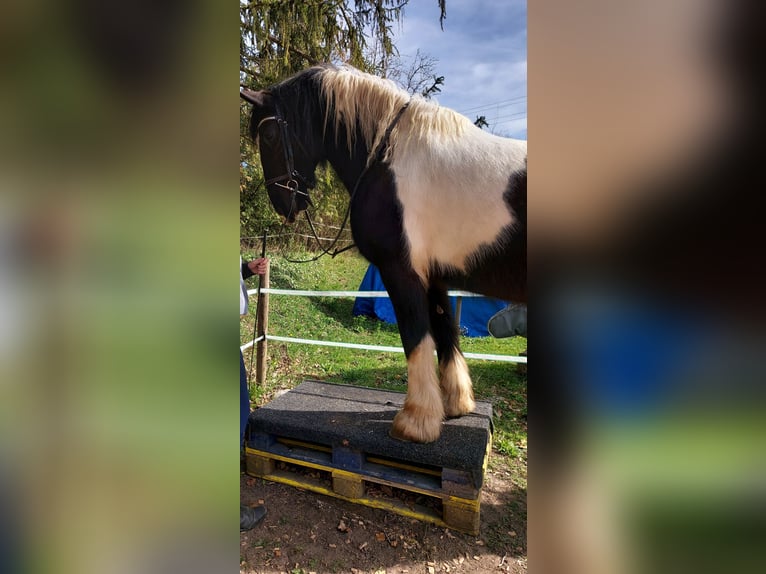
331, 319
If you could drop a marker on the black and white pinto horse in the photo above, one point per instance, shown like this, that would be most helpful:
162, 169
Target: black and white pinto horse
436, 203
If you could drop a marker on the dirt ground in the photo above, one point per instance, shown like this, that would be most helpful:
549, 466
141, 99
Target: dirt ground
305, 532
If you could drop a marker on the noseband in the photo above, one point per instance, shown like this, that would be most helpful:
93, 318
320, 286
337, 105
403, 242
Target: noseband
292, 176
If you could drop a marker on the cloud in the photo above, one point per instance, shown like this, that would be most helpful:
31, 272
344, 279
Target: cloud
481, 53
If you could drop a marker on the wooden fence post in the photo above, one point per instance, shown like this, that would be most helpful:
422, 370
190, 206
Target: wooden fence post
458, 309
262, 326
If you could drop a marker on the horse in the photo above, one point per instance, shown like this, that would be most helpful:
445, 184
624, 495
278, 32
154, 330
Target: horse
435, 203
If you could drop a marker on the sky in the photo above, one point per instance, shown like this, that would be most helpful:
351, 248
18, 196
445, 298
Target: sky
482, 54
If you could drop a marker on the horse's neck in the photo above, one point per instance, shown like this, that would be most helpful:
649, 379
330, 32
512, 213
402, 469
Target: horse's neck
348, 166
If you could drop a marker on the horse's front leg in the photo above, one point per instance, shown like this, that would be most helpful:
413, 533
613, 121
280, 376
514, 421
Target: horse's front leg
454, 379
420, 419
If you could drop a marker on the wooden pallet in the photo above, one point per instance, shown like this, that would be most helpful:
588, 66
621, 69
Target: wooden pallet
442, 496
357, 469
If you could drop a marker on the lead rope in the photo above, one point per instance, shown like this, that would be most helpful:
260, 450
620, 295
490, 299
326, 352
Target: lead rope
374, 158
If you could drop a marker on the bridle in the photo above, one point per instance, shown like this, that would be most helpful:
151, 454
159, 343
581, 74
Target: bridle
291, 175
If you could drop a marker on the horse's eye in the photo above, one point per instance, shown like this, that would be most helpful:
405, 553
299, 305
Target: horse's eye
268, 133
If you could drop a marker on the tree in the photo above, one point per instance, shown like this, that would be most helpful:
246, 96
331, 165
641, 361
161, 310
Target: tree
278, 38
418, 76
281, 37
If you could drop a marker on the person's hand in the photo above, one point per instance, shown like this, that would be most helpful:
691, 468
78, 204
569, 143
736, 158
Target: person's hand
258, 266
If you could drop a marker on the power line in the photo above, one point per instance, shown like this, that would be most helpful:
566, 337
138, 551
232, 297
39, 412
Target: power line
493, 104
501, 103
509, 117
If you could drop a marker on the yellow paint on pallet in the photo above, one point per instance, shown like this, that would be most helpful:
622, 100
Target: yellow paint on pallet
372, 459
462, 513
264, 454
309, 445
403, 466
345, 473
379, 503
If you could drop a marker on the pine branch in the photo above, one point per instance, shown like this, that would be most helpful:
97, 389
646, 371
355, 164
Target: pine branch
302, 54
249, 72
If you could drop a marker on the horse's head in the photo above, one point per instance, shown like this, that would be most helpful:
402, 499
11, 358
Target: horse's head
287, 167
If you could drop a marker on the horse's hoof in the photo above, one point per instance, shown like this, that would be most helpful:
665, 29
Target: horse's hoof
460, 407
409, 428
396, 436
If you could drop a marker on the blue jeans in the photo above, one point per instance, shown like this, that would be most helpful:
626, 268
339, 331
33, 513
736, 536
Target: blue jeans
244, 399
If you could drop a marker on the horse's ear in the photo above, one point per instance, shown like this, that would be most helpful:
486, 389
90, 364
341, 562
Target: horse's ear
256, 98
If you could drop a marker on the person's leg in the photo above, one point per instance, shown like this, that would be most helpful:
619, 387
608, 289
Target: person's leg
244, 399
248, 516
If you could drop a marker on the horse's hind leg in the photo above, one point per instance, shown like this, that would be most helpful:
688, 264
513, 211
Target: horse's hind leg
454, 379
420, 419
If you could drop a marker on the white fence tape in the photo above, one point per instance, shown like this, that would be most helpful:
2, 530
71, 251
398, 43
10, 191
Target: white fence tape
335, 344
383, 348
258, 339
376, 294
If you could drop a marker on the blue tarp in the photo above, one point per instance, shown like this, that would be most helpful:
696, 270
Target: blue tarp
474, 313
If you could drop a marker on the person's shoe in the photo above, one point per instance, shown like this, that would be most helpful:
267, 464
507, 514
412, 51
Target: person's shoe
249, 517
509, 322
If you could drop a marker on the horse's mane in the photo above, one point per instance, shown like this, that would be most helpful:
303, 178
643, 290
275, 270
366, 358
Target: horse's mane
351, 99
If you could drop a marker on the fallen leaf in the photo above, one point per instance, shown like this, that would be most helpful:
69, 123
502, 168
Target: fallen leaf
342, 526
277, 552
380, 536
